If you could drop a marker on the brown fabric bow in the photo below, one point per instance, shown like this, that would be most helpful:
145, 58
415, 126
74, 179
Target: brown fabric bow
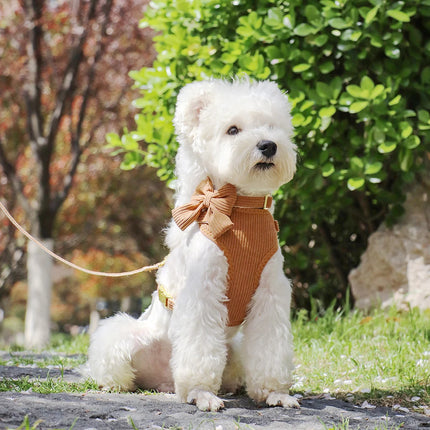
208, 206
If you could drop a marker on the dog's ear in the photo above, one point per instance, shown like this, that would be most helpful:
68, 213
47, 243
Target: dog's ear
192, 100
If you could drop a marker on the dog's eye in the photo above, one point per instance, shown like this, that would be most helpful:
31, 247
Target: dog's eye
233, 130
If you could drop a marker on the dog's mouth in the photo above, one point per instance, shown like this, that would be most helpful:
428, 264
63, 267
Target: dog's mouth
264, 166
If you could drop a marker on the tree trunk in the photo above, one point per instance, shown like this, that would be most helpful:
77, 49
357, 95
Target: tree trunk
38, 315
94, 321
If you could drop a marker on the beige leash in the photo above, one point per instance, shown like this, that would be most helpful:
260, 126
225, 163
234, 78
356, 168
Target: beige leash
74, 266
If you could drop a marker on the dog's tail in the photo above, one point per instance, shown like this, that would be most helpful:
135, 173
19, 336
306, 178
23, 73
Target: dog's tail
110, 354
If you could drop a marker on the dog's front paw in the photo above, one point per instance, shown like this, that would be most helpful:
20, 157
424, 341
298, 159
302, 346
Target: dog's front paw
205, 400
282, 399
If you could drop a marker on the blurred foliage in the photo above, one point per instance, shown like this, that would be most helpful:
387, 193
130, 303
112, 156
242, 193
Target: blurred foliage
75, 297
357, 74
108, 211
111, 288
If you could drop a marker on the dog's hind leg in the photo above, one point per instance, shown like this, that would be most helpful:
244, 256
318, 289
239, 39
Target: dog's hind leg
233, 378
151, 359
197, 329
267, 349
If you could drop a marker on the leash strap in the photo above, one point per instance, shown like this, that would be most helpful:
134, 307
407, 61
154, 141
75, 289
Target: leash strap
72, 265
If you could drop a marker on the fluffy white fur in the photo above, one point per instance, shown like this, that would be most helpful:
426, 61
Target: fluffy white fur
191, 351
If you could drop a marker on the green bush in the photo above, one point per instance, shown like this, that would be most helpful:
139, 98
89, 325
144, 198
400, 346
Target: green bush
358, 77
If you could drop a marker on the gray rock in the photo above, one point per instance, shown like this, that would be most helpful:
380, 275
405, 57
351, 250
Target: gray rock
395, 268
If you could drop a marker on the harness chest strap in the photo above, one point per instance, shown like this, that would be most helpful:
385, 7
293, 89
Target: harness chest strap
242, 202
254, 202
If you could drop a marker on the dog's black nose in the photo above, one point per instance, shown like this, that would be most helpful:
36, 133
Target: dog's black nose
267, 148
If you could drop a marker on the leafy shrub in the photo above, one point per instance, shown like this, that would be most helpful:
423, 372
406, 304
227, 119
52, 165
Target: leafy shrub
358, 77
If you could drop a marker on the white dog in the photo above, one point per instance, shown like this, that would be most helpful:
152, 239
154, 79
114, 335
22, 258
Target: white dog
235, 149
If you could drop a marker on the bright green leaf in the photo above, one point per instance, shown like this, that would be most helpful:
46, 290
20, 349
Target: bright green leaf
405, 129
287, 21
306, 105
358, 106
405, 159
327, 111
350, 35
378, 135
320, 40
325, 123
310, 164
304, 30
326, 67
113, 139
323, 90
339, 23
376, 40
297, 120
412, 142
327, 169
371, 15
273, 52
355, 183
395, 100
357, 163
386, 147
336, 87
129, 143
377, 91
372, 168
392, 52
356, 91
299, 68
312, 13
245, 31
424, 116
366, 83
274, 18
398, 15
131, 160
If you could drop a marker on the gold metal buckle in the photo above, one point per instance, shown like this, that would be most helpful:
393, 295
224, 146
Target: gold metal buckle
165, 299
266, 199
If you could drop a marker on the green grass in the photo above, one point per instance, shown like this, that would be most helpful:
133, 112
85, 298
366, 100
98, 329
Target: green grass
62, 362
47, 386
69, 344
64, 350
382, 357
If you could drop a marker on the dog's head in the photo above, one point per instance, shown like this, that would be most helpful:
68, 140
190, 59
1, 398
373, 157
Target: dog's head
239, 132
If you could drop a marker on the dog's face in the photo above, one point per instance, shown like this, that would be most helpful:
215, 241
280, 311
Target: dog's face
240, 133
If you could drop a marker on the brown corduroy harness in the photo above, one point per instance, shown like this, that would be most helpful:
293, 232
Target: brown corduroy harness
243, 229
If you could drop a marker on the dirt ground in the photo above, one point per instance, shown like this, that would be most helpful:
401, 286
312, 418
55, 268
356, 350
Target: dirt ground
100, 410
